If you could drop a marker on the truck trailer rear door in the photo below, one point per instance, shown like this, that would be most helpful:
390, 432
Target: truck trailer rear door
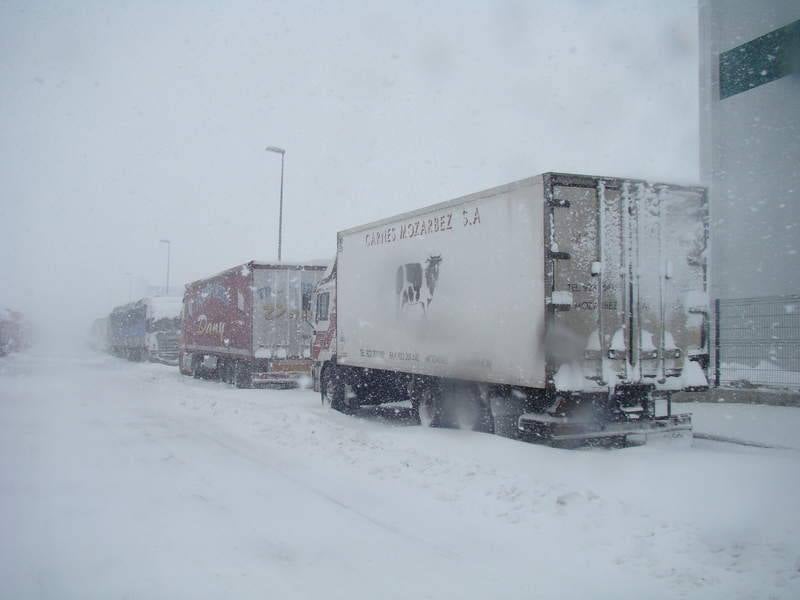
670, 280
627, 280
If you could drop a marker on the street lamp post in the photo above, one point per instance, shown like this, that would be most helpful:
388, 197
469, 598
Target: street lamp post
282, 152
169, 249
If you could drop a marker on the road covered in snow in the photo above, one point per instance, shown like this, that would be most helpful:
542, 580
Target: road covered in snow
121, 480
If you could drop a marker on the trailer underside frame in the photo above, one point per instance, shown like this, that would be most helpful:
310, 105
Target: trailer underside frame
554, 428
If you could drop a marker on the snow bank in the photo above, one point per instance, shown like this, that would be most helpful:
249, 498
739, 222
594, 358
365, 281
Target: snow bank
769, 425
764, 372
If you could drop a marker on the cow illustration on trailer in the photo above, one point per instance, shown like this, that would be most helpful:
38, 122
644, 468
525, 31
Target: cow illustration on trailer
413, 288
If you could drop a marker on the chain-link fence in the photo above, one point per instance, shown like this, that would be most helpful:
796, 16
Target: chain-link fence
757, 342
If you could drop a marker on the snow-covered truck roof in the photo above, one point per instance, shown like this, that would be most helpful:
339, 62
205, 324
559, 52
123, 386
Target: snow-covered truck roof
315, 265
158, 307
164, 307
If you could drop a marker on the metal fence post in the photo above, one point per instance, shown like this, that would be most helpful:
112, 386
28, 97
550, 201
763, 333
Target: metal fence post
717, 359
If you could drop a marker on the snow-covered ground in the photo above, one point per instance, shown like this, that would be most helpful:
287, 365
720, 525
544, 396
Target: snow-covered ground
770, 426
121, 480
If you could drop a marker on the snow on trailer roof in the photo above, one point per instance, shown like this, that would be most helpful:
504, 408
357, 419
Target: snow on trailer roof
165, 307
313, 265
128, 306
573, 178
159, 307
612, 181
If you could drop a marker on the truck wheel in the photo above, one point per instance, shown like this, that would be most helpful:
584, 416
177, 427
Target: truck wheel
242, 377
227, 371
332, 389
182, 364
197, 368
468, 407
429, 406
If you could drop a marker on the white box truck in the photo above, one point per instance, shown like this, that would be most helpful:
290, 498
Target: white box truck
574, 305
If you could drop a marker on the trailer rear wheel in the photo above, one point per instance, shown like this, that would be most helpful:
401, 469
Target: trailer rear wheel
197, 365
242, 377
428, 403
226, 370
467, 406
219, 372
332, 389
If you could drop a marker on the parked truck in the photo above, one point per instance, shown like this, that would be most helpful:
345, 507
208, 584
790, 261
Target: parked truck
147, 329
250, 324
572, 306
15, 332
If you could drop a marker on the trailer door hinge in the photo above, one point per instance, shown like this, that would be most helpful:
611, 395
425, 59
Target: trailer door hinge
558, 203
558, 255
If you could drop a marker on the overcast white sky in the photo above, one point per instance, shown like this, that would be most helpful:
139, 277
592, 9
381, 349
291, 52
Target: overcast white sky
125, 122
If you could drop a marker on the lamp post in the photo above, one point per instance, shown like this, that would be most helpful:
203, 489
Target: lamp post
282, 152
169, 248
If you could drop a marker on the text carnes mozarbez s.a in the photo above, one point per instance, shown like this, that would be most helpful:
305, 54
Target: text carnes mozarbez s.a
423, 226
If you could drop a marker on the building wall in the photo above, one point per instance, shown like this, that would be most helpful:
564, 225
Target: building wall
750, 157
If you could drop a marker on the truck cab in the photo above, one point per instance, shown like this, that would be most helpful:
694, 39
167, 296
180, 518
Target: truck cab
323, 341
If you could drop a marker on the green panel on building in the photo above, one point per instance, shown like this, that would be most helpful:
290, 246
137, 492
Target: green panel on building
760, 61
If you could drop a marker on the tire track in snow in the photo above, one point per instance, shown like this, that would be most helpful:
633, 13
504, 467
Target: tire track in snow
739, 442
235, 447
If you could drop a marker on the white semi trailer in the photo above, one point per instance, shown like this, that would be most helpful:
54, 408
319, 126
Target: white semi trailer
575, 305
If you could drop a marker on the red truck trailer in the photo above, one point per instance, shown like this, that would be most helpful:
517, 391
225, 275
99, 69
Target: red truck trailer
250, 324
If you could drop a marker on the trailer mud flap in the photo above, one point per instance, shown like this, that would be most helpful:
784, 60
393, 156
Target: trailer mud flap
679, 436
550, 428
